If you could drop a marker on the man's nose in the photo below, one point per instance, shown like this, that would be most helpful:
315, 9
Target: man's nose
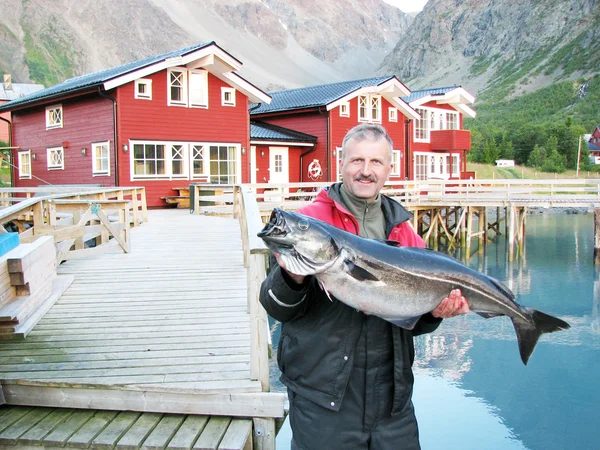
366, 168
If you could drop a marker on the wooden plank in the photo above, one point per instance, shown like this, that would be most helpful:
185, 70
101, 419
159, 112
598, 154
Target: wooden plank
10, 435
164, 431
256, 404
83, 437
35, 434
188, 433
136, 435
213, 433
24, 256
237, 435
12, 416
59, 436
110, 435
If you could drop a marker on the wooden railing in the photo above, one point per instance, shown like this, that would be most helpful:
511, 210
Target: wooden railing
413, 194
91, 220
255, 261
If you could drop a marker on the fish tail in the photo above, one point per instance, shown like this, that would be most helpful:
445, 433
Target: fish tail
529, 331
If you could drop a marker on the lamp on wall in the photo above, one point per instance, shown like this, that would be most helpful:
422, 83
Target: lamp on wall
243, 150
262, 153
83, 151
34, 156
125, 148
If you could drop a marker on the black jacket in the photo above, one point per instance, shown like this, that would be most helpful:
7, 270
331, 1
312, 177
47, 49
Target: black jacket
319, 336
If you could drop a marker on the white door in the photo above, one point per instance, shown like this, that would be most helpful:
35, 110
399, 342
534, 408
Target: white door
279, 166
438, 167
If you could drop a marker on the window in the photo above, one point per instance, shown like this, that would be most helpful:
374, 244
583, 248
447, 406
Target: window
451, 121
421, 128
393, 115
216, 163
143, 89
345, 110
222, 164
396, 157
369, 108
227, 96
177, 87
149, 160
101, 158
24, 165
420, 166
55, 158
455, 166
54, 117
199, 89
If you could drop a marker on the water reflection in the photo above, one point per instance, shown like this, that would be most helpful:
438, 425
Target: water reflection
473, 392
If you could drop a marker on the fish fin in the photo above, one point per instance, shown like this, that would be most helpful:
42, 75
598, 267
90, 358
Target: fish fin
407, 323
358, 273
529, 331
325, 290
487, 315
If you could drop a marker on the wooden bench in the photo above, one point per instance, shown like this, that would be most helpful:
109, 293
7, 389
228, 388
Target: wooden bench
39, 427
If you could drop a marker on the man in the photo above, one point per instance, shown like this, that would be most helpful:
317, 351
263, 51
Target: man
349, 375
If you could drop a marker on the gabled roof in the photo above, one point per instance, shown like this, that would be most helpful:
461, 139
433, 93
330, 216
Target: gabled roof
261, 131
330, 95
456, 96
202, 54
18, 90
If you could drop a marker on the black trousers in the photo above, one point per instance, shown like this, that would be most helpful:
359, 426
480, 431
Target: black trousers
363, 422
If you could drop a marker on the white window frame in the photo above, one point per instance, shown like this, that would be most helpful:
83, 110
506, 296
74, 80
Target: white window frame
345, 109
97, 156
421, 126
369, 108
54, 116
147, 86
455, 165
188, 152
396, 163
452, 120
24, 160
420, 168
392, 114
55, 158
179, 83
198, 89
224, 92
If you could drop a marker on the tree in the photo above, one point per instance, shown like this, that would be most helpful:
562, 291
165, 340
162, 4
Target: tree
490, 151
537, 157
554, 162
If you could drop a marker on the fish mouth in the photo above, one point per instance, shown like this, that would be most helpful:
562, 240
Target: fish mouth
276, 230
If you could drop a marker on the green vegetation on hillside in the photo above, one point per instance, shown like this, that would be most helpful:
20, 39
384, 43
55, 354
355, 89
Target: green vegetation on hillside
48, 56
541, 129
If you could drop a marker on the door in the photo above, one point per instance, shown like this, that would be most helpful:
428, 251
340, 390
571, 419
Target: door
279, 167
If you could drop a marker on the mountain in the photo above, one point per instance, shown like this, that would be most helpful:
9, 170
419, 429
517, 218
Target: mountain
499, 48
282, 43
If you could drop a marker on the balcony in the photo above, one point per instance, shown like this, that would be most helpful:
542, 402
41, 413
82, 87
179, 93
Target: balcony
450, 140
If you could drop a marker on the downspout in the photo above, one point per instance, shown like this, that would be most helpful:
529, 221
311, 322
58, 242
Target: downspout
406, 148
327, 150
302, 155
10, 145
116, 135
248, 158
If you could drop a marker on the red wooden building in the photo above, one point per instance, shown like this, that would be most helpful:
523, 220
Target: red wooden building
161, 123
425, 126
11, 91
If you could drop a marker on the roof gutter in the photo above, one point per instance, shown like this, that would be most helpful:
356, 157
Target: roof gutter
115, 134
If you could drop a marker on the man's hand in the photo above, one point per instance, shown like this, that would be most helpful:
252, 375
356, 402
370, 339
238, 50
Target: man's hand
298, 279
453, 305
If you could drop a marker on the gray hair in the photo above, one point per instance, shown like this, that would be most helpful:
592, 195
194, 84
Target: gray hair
366, 131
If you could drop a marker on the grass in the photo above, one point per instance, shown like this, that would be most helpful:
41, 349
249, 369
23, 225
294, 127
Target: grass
489, 171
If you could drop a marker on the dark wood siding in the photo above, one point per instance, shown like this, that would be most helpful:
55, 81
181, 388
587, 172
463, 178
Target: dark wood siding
85, 121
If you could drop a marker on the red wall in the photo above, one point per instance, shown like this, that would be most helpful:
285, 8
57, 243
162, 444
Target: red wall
154, 120
312, 123
85, 120
3, 125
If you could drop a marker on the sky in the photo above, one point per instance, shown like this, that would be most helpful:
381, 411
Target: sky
407, 5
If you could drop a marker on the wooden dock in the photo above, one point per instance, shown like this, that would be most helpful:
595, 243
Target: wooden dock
162, 330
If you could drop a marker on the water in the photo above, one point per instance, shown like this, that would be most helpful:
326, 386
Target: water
473, 392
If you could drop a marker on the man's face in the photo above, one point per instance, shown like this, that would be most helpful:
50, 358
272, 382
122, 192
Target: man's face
366, 167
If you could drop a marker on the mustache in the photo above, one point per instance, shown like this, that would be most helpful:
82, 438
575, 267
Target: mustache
370, 178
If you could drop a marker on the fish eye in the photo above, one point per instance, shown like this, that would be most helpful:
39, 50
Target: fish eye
303, 225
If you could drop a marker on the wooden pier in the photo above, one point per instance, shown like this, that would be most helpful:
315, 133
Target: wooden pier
152, 346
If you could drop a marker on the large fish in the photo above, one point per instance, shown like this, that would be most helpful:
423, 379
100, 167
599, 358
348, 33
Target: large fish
398, 284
